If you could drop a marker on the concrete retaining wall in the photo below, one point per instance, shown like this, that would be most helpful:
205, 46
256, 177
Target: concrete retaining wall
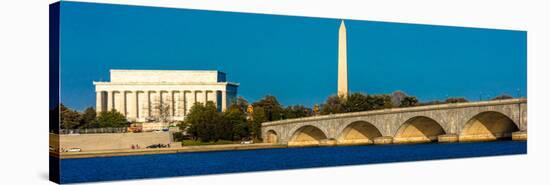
111, 141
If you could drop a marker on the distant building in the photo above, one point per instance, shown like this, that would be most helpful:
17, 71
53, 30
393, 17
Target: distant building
150, 95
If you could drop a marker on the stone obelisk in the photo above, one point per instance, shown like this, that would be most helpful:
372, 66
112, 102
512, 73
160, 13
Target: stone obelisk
342, 62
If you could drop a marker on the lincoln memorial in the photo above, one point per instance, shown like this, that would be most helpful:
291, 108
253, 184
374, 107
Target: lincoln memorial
141, 95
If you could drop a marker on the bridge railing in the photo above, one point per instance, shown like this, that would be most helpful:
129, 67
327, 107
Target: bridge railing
398, 110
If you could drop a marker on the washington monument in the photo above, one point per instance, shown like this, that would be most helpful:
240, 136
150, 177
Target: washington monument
342, 62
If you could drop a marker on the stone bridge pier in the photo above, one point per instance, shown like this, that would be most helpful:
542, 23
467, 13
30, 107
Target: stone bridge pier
472, 121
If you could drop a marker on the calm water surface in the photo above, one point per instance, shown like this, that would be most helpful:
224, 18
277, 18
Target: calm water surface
201, 163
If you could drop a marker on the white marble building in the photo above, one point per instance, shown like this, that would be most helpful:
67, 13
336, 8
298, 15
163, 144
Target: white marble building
142, 94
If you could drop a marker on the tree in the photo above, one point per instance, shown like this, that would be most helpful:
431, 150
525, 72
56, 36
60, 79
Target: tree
161, 110
332, 105
184, 126
296, 111
503, 97
240, 103
89, 118
111, 118
381, 101
409, 101
397, 98
456, 100
258, 117
358, 102
271, 107
236, 119
69, 119
435, 102
203, 122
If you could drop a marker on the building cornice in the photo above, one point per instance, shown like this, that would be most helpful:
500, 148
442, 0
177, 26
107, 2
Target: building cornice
165, 83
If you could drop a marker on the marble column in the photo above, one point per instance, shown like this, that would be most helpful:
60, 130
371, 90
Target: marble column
110, 98
148, 104
123, 103
129, 102
214, 98
205, 97
173, 103
136, 104
190, 101
182, 103
224, 100
196, 99
156, 102
99, 101
142, 104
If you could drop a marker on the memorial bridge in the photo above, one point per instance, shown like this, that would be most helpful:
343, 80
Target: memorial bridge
471, 121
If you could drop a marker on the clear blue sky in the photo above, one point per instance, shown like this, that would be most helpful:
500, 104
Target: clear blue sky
293, 58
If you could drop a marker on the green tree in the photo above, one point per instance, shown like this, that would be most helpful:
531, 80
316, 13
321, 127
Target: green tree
503, 97
435, 102
69, 119
358, 102
203, 122
332, 105
111, 118
409, 101
381, 101
184, 126
236, 119
271, 107
296, 111
258, 117
240, 103
89, 118
456, 100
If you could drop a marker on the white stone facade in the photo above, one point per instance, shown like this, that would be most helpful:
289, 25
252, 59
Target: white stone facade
141, 94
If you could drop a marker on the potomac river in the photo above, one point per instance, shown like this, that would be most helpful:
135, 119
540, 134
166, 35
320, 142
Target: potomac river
215, 162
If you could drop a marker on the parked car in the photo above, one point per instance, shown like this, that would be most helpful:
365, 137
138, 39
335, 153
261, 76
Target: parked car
73, 150
157, 146
247, 142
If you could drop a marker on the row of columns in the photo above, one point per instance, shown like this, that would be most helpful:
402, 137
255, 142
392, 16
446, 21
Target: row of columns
142, 104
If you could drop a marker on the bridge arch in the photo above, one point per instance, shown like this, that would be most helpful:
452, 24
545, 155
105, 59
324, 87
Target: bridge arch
271, 137
488, 126
418, 129
307, 135
358, 132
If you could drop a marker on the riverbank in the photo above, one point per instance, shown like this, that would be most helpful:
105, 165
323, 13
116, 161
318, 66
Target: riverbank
184, 149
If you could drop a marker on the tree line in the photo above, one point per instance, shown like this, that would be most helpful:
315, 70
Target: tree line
72, 119
242, 120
